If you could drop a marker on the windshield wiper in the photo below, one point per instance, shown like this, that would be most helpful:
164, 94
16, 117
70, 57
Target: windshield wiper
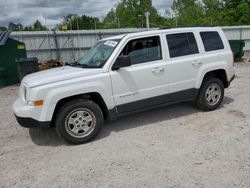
74, 64
77, 64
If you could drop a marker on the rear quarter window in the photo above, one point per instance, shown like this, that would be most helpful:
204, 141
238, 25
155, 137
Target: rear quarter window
211, 41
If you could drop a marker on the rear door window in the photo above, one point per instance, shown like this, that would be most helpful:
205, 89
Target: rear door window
211, 41
182, 44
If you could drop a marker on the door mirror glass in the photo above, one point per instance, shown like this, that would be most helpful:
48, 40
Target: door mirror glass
122, 61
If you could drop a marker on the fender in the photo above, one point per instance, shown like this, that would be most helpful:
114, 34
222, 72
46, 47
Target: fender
221, 65
55, 94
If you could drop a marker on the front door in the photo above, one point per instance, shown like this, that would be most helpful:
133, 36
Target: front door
145, 83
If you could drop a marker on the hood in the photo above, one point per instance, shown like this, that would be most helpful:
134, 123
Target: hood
57, 75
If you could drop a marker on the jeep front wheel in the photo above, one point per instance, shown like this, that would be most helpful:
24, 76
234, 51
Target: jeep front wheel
79, 121
210, 95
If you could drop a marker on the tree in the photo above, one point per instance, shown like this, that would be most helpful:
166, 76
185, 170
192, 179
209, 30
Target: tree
235, 12
111, 20
12, 26
2, 28
188, 12
37, 26
233, 3
131, 13
75, 22
28, 28
15, 27
212, 10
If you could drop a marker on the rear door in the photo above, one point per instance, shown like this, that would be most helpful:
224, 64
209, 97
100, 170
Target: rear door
145, 83
184, 63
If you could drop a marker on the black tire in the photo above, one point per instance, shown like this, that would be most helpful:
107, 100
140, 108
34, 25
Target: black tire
64, 114
201, 100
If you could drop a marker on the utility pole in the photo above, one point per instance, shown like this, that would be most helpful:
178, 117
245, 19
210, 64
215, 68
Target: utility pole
147, 14
56, 45
140, 20
77, 23
95, 23
78, 34
50, 53
72, 42
118, 22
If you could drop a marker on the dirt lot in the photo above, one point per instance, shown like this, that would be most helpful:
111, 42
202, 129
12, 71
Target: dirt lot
175, 146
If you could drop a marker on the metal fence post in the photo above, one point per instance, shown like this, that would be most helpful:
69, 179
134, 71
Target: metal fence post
56, 45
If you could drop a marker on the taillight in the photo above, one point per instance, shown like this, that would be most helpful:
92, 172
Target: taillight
234, 58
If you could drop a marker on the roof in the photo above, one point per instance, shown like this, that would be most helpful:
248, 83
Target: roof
162, 31
4, 37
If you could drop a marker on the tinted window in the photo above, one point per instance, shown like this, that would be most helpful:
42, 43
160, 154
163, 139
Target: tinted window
212, 41
182, 44
143, 50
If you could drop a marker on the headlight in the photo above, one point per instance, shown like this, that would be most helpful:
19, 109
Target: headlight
24, 93
30, 103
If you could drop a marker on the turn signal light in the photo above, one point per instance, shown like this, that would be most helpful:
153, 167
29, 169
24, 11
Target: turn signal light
38, 103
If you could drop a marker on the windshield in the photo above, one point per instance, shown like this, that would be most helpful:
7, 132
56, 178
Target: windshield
97, 56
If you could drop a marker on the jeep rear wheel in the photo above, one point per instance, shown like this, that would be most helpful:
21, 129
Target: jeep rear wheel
210, 95
79, 121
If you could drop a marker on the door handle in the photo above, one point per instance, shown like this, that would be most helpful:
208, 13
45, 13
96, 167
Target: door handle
197, 63
158, 69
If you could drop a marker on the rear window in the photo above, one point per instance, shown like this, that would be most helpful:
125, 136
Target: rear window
211, 41
182, 44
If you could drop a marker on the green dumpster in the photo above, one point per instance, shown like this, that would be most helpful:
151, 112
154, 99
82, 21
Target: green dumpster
237, 48
26, 66
10, 50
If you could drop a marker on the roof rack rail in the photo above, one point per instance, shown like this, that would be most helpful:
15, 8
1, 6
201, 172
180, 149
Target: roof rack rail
185, 26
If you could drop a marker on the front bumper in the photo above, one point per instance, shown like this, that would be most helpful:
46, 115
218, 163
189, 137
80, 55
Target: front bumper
28, 116
30, 123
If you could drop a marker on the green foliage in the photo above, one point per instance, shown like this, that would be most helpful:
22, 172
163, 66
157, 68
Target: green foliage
3, 28
235, 13
37, 26
111, 20
131, 14
15, 27
188, 12
76, 22
212, 12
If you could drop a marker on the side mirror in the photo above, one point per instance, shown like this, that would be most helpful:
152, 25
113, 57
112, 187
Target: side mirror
122, 61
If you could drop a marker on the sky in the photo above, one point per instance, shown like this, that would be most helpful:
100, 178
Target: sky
51, 12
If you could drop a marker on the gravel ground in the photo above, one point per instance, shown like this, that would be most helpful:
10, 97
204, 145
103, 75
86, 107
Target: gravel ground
175, 146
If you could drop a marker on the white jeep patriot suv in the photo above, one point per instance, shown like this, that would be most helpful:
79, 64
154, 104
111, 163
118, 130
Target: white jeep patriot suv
125, 74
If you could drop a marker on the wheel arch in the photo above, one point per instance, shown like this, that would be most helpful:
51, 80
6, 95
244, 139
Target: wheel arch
94, 96
218, 73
